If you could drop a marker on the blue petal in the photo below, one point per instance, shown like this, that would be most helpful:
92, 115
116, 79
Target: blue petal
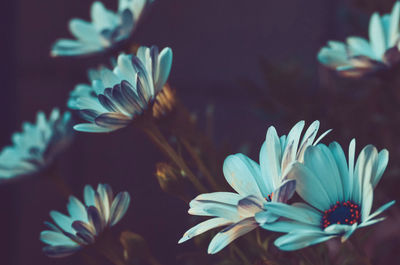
90, 127
63, 221
309, 187
242, 174
204, 227
394, 25
299, 240
165, 62
301, 213
341, 163
222, 197
89, 196
56, 239
76, 209
270, 161
383, 159
377, 36
226, 236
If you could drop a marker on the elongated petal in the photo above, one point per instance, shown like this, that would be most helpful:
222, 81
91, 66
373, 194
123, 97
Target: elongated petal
249, 206
221, 197
270, 160
76, 209
119, 207
60, 251
309, 187
226, 236
90, 127
377, 36
204, 227
63, 221
383, 159
241, 173
301, 214
295, 241
56, 239
394, 25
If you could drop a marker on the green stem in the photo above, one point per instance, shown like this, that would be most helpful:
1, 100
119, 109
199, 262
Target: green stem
200, 164
241, 255
155, 135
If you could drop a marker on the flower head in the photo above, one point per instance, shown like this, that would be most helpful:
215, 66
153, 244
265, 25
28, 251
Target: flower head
339, 196
36, 147
105, 30
255, 184
359, 57
126, 92
86, 222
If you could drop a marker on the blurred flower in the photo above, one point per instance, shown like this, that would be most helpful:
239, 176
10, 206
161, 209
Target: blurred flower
86, 222
126, 92
340, 196
106, 29
255, 184
36, 147
358, 57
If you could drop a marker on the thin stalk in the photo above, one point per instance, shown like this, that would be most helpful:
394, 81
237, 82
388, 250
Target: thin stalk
200, 164
155, 135
241, 255
153, 261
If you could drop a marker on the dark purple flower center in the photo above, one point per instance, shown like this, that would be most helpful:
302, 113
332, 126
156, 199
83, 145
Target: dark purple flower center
269, 197
342, 213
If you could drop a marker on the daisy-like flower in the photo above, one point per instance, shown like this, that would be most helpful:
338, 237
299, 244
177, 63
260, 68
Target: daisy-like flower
255, 184
83, 90
359, 57
106, 29
339, 196
35, 148
86, 222
127, 91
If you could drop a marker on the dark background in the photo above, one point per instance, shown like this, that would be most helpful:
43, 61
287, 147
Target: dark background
216, 43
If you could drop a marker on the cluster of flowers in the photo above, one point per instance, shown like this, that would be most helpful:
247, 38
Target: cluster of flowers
337, 192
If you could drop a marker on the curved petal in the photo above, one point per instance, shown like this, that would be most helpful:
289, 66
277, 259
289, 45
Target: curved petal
56, 239
377, 36
203, 227
298, 213
299, 240
119, 207
242, 174
226, 236
309, 187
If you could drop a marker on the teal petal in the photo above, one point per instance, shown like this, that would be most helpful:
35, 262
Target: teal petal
383, 159
270, 160
242, 174
226, 236
309, 187
289, 226
341, 163
377, 36
63, 221
56, 239
203, 227
394, 25
299, 212
295, 241
380, 210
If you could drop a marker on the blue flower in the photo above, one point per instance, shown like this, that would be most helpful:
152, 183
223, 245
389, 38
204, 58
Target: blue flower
126, 92
106, 29
255, 184
358, 56
100, 211
36, 147
339, 196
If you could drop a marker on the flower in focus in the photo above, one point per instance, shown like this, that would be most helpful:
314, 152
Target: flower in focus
86, 222
126, 92
339, 195
83, 90
255, 185
106, 29
36, 147
359, 57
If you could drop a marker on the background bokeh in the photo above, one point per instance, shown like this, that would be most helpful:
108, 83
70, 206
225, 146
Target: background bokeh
240, 57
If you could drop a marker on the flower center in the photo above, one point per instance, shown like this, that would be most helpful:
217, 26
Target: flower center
269, 197
342, 213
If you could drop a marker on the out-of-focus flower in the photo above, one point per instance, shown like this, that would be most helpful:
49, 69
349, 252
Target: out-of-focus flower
359, 57
86, 222
255, 185
36, 147
126, 92
339, 195
106, 29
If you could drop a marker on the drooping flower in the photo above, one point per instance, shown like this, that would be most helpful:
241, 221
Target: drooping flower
127, 91
359, 57
105, 30
86, 222
37, 146
339, 196
255, 184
